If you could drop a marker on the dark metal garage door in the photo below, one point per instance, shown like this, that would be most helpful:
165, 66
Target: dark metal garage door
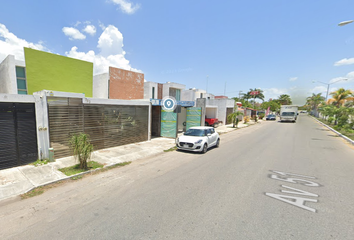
18, 138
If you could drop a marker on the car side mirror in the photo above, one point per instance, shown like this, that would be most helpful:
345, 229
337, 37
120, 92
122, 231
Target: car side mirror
209, 134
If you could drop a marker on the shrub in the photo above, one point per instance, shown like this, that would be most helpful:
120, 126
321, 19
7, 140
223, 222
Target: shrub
82, 148
246, 119
261, 115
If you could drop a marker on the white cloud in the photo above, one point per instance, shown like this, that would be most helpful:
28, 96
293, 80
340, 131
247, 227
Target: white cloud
111, 53
11, 44
298, 95
344, 61
126, 6
73, 33
293, 79
90, 29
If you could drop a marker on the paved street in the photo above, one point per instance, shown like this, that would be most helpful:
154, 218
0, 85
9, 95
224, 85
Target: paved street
269, 181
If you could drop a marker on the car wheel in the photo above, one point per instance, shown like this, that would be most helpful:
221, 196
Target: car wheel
215, 125
205, 148
217, 143
206, 124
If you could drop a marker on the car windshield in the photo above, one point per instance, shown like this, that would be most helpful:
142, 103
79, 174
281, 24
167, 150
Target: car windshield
271, 115
195, 132
288, 114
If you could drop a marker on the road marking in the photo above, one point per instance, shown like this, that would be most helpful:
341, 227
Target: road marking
295, 180
298, 191
296, 201
299, 201
292, 174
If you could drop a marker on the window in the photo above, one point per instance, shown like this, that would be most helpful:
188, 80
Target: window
21, 80
178, 94
153, 92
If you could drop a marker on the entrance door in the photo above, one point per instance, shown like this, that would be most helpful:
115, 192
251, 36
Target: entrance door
228, 112
194, 116
156, 121
18, 138
168, 124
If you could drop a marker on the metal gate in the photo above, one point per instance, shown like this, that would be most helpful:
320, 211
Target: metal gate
194, 115
168, 124
18, 138
65, 119
116, 125
107, 125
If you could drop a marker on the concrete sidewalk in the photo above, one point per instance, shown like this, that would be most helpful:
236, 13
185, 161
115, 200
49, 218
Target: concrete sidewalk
19, 180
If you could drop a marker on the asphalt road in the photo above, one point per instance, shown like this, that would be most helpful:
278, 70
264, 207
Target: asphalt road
269, 181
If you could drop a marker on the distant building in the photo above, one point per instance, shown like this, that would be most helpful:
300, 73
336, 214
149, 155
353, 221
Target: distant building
119, 84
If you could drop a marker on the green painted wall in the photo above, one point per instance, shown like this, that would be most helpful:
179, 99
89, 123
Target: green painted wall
58, 73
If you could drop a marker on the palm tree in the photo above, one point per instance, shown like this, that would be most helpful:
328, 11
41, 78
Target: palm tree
233, 117
340, 97
255, 93
285, 99
314, 102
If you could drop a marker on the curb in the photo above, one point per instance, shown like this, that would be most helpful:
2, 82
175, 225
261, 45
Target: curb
336, 132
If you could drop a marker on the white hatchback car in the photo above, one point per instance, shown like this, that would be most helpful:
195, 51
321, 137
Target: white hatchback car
198, 139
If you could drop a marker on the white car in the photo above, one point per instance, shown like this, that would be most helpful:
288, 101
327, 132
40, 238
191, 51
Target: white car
198, 139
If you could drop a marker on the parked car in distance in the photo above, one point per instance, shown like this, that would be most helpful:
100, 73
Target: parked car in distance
271, 117
198, 139
212, 122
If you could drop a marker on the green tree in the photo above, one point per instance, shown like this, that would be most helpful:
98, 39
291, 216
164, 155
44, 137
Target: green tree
273, 105
285, 99
314, 102
233, 117
82, 148
242, 100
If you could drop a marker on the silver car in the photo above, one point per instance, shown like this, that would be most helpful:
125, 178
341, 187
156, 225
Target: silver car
198, 139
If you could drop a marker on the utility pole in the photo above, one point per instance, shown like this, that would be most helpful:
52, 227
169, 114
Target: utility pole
207, 78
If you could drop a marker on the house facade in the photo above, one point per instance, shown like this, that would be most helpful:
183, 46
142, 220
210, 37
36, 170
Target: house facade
42, 70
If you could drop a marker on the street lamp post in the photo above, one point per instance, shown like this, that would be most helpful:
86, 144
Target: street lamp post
342, 79
345, 23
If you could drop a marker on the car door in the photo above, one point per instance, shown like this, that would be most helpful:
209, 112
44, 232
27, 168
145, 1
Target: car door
214, 136
209, 137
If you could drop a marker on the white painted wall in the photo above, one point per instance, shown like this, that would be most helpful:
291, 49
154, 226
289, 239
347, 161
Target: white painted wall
166, 88
8, 83
193, 93
222, 104
148, 90
211, 112
182, 117
100, 86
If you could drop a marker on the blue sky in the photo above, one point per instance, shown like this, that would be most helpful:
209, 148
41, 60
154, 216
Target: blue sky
279, 46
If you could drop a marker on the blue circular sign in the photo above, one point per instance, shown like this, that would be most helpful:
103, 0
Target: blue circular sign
169, 103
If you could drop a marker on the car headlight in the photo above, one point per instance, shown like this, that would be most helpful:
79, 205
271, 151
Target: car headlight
199, 141
177, 140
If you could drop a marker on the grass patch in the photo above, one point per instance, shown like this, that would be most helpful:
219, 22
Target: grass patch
32, 193
171, 149
40, 162
346, 132
68, 171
